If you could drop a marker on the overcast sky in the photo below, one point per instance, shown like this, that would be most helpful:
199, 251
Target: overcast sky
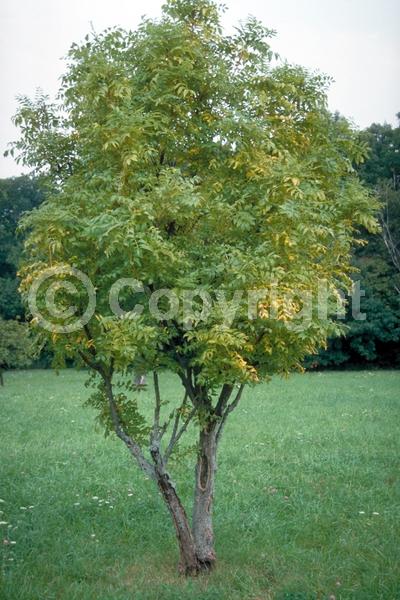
354, 41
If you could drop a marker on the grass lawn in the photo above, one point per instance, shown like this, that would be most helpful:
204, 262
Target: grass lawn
307, 499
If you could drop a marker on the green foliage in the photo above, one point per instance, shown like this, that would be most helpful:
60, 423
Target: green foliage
17, 195
10, 303
375, 340
133, 422
381, 304
15, 345
384, 156
193, 160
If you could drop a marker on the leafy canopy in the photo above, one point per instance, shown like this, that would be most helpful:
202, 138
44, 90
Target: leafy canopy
193, 160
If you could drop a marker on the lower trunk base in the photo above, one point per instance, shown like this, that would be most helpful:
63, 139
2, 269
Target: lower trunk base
206, 565
201, 566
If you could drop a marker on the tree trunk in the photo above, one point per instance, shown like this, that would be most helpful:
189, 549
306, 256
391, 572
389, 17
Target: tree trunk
188, 564
203, 497
1, 377
139, 379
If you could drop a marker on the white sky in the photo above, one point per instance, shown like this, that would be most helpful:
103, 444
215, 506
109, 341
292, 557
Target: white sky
354, 41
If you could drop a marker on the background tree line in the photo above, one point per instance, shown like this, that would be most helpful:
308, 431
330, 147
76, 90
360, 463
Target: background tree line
373, 341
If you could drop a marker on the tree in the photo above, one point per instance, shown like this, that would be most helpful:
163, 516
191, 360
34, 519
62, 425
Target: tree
15, 346
17, 195
390, 220
382, 172
384, 155
376, 339
201, 166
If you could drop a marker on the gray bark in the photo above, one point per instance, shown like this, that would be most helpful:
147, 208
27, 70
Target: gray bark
139, 380
206, 468
188, 563
130, 443
204, 496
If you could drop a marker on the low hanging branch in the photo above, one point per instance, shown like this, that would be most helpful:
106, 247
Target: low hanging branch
132, 446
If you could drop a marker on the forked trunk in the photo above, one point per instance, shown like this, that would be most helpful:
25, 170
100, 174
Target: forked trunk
188, 564
203, 498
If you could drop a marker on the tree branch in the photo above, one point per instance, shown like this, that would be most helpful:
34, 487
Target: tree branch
224, 396
132, 446
178, 415
187, 384
228, 410
177, 434
89, 362
155, 434
392, 245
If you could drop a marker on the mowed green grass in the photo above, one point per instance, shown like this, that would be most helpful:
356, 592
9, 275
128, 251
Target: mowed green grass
307, 499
